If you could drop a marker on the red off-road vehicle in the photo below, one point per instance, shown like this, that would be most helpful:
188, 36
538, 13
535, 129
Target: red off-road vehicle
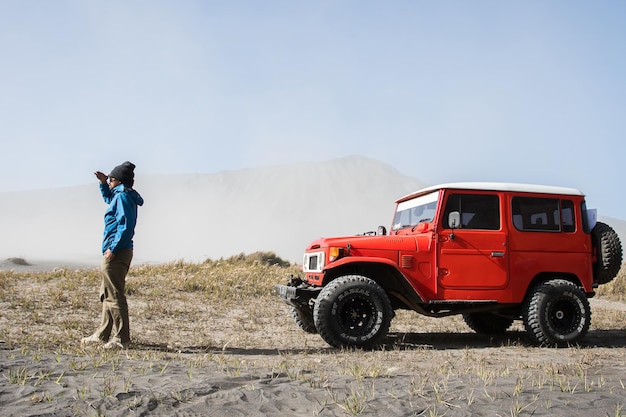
493, 252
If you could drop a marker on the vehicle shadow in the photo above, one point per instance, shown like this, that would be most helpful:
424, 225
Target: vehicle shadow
411, 341
441, 341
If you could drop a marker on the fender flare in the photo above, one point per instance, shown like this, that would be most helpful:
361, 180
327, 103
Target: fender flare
401, 288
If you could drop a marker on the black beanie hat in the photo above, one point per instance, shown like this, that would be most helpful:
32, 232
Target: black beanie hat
124, 173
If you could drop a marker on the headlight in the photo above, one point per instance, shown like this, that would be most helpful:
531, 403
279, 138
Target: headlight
313, 262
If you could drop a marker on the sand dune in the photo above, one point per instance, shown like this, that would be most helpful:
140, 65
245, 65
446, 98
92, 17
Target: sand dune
199, 216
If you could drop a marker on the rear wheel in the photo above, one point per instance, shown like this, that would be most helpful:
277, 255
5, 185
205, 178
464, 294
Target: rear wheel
557, 313
487, 323
352, 311
304, 318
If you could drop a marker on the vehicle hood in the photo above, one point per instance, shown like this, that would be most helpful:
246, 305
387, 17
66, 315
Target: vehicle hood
396, 243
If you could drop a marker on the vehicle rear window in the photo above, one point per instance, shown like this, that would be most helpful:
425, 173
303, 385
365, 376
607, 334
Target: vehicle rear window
543, 214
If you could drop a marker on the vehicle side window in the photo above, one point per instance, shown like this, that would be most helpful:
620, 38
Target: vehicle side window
543, 214
478, 211
585, 219
567, 216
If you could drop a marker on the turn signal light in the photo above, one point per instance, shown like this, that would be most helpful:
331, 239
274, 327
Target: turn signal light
334, 254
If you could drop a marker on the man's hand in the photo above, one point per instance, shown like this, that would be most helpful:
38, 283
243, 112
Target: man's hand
102, 177
108, 255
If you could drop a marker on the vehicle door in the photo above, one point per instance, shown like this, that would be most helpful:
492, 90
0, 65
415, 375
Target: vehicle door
472, 255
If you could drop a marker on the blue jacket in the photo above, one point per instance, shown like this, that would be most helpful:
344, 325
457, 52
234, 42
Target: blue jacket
120, 218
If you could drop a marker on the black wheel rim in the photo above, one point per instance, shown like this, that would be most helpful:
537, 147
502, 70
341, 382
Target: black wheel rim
356, 315
563, 316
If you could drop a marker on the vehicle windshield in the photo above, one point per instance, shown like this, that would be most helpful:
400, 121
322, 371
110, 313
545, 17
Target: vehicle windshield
418, 210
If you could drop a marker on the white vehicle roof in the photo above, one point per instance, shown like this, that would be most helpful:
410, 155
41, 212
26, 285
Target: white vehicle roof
497, 186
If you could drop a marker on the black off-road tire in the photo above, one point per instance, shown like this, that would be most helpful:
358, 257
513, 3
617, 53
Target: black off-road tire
487, 323
608, 253
353, 311
557, 313
304, 318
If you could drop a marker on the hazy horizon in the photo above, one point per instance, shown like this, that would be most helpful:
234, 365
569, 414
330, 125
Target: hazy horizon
195, 217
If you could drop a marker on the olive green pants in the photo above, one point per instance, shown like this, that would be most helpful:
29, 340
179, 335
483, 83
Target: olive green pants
115, 322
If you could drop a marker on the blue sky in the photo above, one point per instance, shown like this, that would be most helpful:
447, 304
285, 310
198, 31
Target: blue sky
443, 91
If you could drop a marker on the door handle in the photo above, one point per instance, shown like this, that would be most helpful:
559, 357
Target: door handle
497, 254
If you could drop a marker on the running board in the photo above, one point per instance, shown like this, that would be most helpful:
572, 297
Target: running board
443, 308
448, 302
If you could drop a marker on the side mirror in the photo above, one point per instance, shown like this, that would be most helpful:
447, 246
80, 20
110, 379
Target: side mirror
382, 231
454, 220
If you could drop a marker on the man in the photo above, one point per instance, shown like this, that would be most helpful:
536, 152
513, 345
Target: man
117, 250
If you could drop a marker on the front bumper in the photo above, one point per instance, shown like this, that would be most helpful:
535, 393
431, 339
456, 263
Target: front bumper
297, 292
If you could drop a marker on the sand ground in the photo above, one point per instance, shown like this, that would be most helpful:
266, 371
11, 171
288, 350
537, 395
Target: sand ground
250, 360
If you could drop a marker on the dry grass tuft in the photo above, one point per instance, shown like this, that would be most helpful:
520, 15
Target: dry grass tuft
214, 304
178, 303
18, 261
616, 289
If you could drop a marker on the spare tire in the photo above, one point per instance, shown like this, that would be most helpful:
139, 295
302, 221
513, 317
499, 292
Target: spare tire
608, 253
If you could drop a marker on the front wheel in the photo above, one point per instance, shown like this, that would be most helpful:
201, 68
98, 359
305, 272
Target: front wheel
352, 311
557, 313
